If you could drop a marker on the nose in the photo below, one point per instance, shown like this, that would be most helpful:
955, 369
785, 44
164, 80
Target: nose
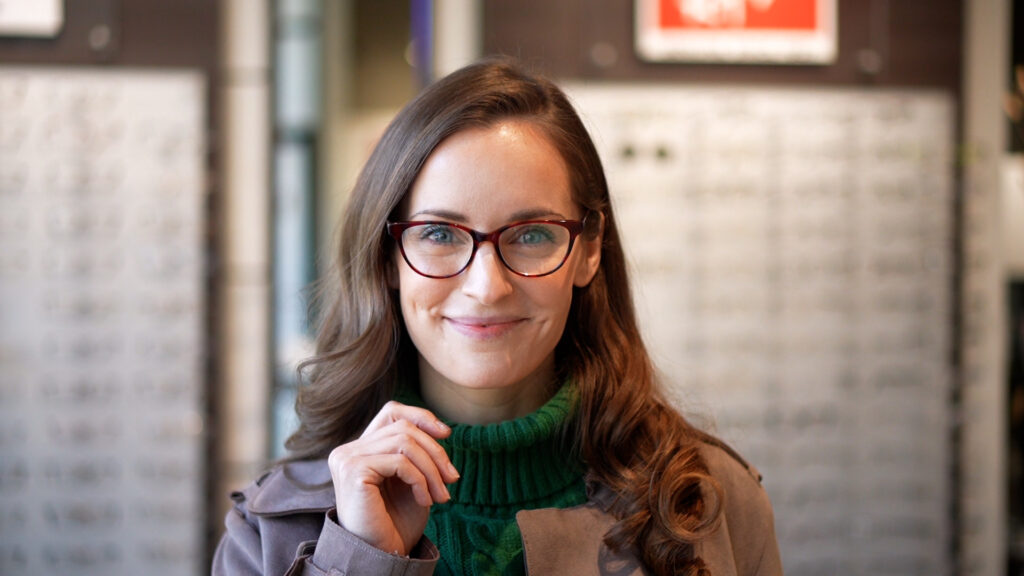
487, 279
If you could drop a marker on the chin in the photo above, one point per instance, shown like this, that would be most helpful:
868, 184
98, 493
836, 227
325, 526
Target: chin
487, 380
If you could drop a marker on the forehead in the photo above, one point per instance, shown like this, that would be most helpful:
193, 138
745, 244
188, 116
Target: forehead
487, 173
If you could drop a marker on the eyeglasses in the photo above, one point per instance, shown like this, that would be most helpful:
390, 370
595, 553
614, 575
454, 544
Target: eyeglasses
529, 248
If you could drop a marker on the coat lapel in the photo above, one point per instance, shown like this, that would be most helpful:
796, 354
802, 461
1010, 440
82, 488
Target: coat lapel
577, 549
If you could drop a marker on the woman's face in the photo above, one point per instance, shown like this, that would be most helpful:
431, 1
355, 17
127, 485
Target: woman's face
488, 328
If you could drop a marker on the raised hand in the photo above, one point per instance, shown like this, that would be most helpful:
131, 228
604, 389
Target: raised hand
386, 481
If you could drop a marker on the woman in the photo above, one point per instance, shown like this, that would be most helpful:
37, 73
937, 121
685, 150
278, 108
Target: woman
481, 401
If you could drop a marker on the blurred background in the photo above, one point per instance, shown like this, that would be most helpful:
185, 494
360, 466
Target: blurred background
822, 202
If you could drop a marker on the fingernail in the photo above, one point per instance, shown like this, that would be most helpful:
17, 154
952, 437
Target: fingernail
447, 494
442, 426
452, 471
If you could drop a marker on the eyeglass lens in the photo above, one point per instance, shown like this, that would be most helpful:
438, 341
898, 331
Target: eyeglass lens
532, 248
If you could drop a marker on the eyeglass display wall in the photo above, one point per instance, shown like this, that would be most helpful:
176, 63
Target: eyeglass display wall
101, 319
791, 251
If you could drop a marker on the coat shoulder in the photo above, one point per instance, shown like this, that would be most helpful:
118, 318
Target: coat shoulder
745, 499
290, 488
745, 541
725, 464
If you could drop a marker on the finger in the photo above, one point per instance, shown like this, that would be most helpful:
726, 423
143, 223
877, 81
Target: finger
420, 417
408, 431
430, 465
371, 471
395, 416
403, 435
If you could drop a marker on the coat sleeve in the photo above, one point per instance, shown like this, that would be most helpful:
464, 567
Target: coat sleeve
255, 546
338, 549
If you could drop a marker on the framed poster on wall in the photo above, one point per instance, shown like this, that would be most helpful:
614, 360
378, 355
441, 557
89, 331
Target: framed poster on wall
737, 31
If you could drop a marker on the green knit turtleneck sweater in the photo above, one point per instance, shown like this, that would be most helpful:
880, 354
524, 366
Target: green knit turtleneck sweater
507, 467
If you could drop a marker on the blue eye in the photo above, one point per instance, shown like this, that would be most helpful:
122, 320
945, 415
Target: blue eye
534, 234
437, 234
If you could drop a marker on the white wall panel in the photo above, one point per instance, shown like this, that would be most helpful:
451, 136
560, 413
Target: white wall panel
792, 257
101, 319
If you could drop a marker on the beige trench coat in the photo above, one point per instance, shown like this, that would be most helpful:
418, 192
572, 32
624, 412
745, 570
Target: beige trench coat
284, 523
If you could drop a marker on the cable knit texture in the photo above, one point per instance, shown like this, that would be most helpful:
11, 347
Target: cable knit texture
516, 465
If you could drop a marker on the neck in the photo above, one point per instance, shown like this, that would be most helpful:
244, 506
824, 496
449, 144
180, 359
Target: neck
521, 462
464, 404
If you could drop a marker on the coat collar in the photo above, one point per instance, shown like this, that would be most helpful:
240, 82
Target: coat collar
293, 488
305, 486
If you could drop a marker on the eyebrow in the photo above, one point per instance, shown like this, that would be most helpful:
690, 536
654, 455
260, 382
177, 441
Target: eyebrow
528, 214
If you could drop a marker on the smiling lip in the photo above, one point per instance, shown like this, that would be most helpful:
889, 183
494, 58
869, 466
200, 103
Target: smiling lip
483, 327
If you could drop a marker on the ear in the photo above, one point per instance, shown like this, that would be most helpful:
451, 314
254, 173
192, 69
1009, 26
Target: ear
590, 241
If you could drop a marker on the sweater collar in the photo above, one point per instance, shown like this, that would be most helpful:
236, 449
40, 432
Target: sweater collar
516, 462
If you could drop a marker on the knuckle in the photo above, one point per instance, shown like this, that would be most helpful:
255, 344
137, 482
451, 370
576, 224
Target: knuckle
338, 457
436, 450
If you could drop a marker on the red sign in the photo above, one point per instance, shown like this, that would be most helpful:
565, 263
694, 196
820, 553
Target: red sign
777, 31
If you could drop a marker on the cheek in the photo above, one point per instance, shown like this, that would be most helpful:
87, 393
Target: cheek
555, 299
418, 295
560, 298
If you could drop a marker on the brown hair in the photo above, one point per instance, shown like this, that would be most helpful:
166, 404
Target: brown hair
628, 435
